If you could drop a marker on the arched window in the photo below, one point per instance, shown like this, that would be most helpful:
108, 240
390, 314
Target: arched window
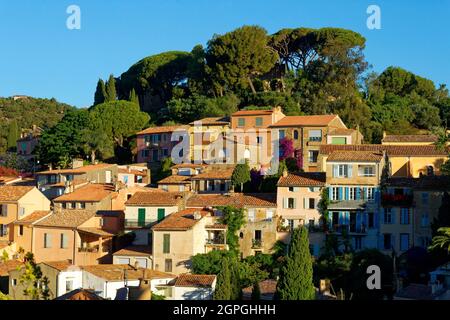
295, 134
430, 170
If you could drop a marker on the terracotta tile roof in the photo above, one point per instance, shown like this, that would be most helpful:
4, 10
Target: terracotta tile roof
115, 272
59, 265
135, 172
96, 231
391, 150
300, 121
175, 179
213, 121
303, 179
261, 112
9, 265
189, 165
239, 200
410, 138
80, 294
8, 179
164, 129
13, 193
88, 193
80, 170
66, 219
365, 156
181, 220
155, 198
224, 174
341, 131
266, 287
33, 217
195, 280
138, 251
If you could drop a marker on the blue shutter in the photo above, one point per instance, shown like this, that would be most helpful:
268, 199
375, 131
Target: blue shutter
346, 193
364, 196
341, 217
393, 242
340, 197
358, 220
330, 193
376, 217
377, 195
358, 193
365, 220
380, 242
393, 215
347, 217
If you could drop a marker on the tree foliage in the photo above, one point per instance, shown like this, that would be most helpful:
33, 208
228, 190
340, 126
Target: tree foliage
241, 175
296, 275
36, 286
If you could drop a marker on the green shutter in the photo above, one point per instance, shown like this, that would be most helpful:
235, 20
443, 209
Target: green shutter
166, 243
141, 217
338, 140
161, 213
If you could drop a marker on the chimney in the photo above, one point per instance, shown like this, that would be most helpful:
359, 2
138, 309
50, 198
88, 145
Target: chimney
197, 215
285, 173
384, 134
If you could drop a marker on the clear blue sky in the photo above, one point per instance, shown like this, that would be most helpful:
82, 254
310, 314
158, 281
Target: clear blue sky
40, 57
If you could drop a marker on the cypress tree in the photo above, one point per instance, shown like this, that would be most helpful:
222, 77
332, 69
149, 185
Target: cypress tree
100, 92
133, 97
111, 93
296, 276
234, 281
223, 287
13, 135
256, 292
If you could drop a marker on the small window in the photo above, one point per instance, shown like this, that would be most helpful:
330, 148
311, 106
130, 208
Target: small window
69, 285
387, 243
14, 282
64, 241
282, 134
313, 155
47, 240
404, 241
430, 170
166, 243
82, 205
315, 135
295, 134
258, 121
291, 203
21, 230
241, 122
387, 215
168, 265
259, 140
311, 203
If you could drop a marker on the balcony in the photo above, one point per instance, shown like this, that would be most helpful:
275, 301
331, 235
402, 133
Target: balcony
349, 229
257, 243
88, 249
135, 223
399, 200
215, 241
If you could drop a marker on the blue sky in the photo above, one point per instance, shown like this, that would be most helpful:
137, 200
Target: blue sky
40, 57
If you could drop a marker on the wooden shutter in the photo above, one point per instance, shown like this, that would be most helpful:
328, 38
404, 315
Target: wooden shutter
166, 243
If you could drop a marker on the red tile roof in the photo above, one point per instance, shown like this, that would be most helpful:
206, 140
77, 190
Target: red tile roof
239, 200
364, 156
137, 251
213, 121
195, 280
155, 198
80, 294
410, 138
66, 218
115, 272
33, 217
301, 121
221, 174
59, 265
391, 150
13, 193
163, 129
79, 170
341, 131
181, 220
175, 179
252, 112
9, 265
88, 193
303, 179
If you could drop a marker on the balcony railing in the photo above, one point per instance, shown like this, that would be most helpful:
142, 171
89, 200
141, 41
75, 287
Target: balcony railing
397, 199
257, 243
317, 139
88, 249
346, 228
134, 223
213, 241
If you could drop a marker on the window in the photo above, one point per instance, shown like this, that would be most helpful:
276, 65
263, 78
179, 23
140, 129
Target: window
64, 241
338, 140
371, 218
311, 203
430, 170
352, 193
404, 241
258, 121
165, 187
181, 188
282, 134
69, 285
424, 221
387, 216
21, 230
3, 230
73, 205
251, 215
141, 262
314, 189
366, 171
342, 170
64, 205
156, 138
259, 140
404, 216
21, 211
258, 235
315, 135
358, 243
165, 152
82, 205
295, 134
269, 215
145, 153
47, 240
241, 122
168, 265
370, 193
335, 193
387, 243
312, 156
425, 198
291, 224
3, 210
291, 203
166, 243
14, 282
